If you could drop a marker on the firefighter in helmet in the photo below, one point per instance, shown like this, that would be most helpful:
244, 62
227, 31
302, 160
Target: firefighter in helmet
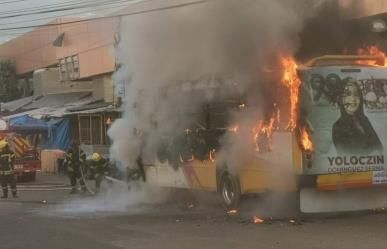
100, 168
7, 170
75, 159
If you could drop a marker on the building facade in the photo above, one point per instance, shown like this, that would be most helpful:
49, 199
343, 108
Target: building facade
68, 66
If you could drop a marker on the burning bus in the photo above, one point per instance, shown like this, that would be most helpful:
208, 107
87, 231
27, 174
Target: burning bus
332, 149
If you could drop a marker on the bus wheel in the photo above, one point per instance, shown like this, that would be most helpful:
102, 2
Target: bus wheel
229, 190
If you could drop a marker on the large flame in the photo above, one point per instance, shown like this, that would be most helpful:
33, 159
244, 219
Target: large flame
264, 131
291, 80
372, 50
306, 141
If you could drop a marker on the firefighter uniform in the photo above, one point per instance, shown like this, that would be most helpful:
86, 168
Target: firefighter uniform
99, 167
75, 159
7, 171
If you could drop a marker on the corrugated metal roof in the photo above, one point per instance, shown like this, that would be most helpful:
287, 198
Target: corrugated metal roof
39, 113
57, 100
109, 108
63, 111
89, 106
17, 104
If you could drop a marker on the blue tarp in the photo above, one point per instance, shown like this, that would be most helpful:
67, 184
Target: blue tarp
26, 123
60, 135
58, 130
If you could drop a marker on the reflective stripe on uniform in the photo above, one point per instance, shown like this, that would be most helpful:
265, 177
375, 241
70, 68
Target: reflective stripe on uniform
6, 172
10, 156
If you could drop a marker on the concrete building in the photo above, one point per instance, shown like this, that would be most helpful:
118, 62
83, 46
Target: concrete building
67, 65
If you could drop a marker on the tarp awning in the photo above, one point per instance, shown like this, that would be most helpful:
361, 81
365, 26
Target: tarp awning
60, 136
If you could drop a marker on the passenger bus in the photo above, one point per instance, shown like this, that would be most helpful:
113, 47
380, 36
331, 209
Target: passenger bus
334, 157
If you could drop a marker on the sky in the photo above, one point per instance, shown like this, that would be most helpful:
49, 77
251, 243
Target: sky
21, 13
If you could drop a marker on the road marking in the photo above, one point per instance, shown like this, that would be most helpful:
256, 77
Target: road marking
43, 189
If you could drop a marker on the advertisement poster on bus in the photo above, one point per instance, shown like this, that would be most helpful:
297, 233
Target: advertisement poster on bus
345, 111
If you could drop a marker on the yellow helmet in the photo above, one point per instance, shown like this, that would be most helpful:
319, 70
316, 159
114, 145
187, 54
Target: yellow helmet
3, 144
96, 157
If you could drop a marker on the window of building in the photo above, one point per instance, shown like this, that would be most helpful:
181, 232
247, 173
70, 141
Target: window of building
90, 129
96, 129
84, 129
62, 69
75, 65
69, 68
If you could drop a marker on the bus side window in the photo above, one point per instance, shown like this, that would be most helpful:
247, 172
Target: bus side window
200, 146
187, 147
162, 150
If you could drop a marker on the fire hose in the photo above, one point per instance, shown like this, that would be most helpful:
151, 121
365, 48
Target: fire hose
83, 175
84, 181
122, 183
108, 178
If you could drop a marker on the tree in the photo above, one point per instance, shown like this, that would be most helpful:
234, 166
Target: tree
8, 81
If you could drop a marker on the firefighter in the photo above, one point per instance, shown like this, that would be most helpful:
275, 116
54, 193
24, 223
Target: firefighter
100, 168
75, 159
7, 171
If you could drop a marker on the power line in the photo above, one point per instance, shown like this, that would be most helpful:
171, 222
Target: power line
15, 1
67, 8
52, 6
111, 16
70, 14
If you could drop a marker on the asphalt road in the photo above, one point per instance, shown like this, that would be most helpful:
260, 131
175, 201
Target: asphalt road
47, 217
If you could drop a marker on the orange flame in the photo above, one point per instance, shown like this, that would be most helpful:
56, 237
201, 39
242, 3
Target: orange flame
266, 130
258, 220
306, 141
277, 114
292, 81
232, 211
109, 121
372, 50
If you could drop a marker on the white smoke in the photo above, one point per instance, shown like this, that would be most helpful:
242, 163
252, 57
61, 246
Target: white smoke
215, 41
111, 200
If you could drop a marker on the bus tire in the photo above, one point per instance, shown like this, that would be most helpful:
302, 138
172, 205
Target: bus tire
229, 190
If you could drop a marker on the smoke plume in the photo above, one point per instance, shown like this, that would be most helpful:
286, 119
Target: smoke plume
164, 54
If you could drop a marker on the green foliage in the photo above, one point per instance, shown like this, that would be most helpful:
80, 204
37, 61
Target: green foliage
8, 81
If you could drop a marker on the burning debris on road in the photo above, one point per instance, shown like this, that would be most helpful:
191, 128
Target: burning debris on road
258, 220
